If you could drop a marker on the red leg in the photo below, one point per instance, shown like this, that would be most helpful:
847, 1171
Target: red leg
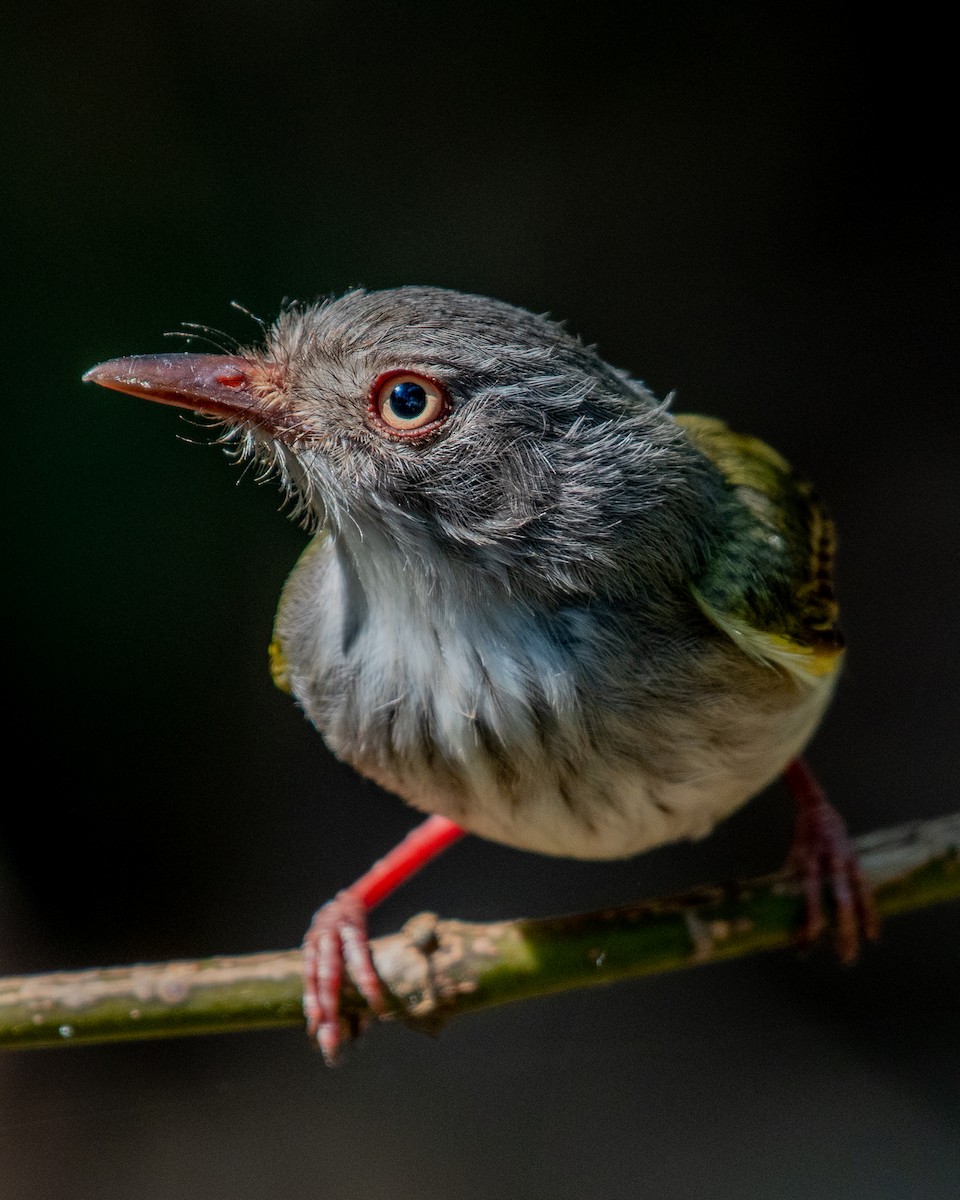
822, 855
337, 938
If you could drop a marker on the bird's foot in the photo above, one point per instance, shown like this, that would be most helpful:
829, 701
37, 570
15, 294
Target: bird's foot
337, 940
824, 858
337, 943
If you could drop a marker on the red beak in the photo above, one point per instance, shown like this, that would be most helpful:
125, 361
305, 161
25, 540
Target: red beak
220, 385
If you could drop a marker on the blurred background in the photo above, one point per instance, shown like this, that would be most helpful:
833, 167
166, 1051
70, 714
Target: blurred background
754, 205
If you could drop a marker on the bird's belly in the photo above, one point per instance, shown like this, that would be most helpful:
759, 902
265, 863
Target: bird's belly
477, 714
673, 779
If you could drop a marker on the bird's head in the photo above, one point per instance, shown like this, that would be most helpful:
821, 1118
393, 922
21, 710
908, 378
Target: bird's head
454, 428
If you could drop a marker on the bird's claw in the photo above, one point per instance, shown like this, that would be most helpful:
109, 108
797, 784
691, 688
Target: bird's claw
337, 942
823, 857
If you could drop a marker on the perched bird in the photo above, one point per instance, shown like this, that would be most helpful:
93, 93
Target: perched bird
537, 604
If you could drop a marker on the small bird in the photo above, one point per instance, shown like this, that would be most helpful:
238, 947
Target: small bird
537, 603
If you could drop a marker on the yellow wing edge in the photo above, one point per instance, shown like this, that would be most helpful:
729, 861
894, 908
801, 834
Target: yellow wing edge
806, 664
279, 671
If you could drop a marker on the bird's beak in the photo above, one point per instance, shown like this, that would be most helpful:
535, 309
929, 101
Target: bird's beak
220, 385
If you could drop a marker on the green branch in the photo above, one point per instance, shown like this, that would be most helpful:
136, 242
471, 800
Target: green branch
435, 969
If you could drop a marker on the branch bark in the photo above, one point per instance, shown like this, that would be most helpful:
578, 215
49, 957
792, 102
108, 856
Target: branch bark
436, 969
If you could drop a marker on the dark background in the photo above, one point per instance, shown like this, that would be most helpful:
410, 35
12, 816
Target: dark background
752, 204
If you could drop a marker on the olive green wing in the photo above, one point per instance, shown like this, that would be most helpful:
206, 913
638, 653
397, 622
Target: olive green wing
769, 585
279, 667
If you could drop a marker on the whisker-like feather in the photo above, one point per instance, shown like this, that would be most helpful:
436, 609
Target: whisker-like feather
247, 313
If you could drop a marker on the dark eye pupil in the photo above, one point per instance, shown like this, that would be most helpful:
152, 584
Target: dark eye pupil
408, 400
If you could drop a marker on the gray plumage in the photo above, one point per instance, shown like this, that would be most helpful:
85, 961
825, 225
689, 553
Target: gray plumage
499, 622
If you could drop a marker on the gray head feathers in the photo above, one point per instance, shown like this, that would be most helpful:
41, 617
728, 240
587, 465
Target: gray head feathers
553, 473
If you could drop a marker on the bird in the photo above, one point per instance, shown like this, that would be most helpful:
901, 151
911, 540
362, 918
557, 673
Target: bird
538, 605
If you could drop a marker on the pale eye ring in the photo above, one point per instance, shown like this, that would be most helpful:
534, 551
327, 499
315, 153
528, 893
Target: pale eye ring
404, 403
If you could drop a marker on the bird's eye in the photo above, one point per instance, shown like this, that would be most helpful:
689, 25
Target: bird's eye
407, 404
